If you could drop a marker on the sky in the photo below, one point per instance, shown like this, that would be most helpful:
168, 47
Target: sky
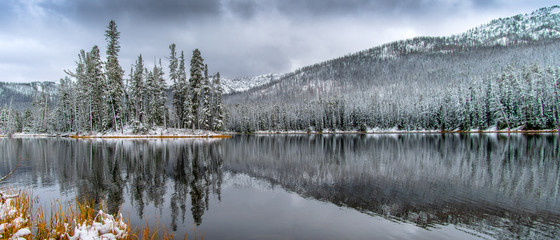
40, 39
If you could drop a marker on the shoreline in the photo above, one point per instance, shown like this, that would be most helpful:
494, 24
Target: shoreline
231, 134
149, 136
410, 132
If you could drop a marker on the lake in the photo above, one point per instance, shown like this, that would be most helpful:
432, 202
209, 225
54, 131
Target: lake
346, 186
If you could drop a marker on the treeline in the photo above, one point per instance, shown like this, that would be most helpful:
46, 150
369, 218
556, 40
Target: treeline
526, 98
96, 97
33, 119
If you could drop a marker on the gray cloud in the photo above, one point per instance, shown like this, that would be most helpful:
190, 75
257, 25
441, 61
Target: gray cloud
39, 39
244, 9
150, 10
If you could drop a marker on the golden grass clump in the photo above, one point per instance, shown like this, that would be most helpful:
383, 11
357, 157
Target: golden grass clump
15, 208
79, 220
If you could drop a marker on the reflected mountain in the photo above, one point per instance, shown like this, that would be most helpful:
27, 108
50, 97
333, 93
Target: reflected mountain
503, 186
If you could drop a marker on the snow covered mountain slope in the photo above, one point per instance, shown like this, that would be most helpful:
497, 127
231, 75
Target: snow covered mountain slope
245, 83
20, 95
423, 61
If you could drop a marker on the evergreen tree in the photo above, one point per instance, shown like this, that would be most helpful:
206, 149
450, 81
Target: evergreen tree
195, 81
206, 108
217, 104
27, 121
96, 82
114, 73
40, 111
149, 97
9, 120
82, 104
184, 97
128, 105
65, 110
156, 89
177, 87
137, 91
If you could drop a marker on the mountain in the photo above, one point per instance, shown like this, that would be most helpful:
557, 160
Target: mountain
540, 28
385, 82
245, 83
20, 95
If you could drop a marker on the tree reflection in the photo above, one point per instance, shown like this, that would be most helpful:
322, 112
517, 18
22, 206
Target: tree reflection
103, 170
505, 186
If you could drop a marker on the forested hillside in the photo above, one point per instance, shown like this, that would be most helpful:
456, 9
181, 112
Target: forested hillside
500, 75
19, 96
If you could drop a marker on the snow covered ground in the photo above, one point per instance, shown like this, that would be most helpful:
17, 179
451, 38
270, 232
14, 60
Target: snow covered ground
128, 132
104, 226
399, 131
15, 223
12, 218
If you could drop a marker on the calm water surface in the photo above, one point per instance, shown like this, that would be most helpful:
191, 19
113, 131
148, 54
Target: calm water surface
307, 186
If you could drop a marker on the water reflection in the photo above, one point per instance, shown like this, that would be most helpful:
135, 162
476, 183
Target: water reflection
109, 171
504, 186
499, 185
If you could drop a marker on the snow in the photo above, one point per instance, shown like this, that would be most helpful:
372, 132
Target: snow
155, 132
28, 89
21, 233
8, 210
246, 83
106, 227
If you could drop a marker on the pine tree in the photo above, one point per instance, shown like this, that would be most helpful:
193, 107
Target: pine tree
206, 108
27, 121
156, 89
82, 105
65, 110
96, 82
114, 73
127, 102
218, 108
148, 98
177, 88
184, 97
40, 106
196, 78
137, 90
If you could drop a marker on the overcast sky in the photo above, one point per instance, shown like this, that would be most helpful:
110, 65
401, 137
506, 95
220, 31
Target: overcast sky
39, 39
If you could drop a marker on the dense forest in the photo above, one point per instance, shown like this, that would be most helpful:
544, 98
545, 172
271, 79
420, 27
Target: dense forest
96, 97
501, 75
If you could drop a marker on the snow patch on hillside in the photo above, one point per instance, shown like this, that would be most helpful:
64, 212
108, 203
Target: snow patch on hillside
29, 89
246, 83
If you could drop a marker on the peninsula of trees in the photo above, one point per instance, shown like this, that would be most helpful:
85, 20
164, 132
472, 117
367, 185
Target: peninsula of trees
96, 97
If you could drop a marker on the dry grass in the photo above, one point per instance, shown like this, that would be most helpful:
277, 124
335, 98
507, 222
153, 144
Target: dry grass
16, 209
61, 222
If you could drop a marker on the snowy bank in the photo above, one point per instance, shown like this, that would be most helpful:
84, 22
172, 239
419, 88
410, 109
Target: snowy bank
420, 131
128, 132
